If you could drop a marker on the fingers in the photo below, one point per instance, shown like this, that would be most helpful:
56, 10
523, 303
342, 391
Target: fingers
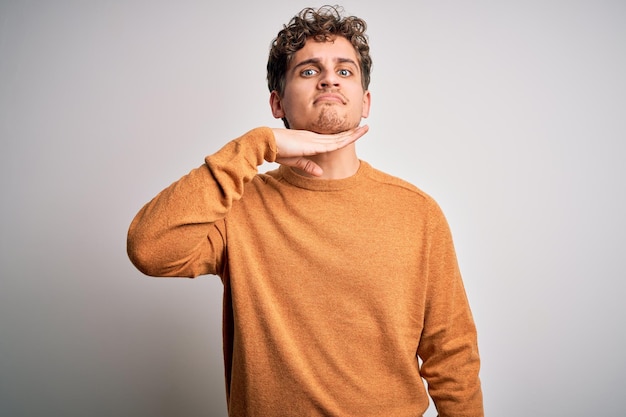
295, 147
292, 143
346, 138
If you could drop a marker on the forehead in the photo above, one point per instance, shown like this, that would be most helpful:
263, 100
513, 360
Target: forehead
336, 49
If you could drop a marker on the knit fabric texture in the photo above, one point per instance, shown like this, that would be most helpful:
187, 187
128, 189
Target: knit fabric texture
332, 288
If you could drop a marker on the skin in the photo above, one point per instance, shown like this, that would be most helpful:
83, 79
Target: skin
324, 102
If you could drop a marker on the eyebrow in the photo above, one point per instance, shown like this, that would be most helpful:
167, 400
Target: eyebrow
317, 61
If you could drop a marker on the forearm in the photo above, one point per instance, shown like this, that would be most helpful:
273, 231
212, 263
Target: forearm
451, 365
179, 232
449, 347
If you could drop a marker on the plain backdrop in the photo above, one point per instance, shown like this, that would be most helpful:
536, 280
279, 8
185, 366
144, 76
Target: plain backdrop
511, 114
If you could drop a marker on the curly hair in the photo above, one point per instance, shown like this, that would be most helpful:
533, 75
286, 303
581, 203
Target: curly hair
322, 25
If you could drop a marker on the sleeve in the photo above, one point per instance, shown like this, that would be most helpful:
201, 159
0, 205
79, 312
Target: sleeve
448, 347
180, 232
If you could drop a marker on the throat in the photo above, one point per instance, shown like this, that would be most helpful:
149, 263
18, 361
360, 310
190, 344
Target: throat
339, 164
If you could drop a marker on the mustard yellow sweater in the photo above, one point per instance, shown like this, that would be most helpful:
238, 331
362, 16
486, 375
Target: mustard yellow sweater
332, 288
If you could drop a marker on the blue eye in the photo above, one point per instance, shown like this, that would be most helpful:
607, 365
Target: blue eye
308, 72
344, 72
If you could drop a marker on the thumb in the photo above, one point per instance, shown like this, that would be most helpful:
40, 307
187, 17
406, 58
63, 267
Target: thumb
304, 164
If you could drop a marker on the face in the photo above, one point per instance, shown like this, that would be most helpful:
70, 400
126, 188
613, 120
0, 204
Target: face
323, 91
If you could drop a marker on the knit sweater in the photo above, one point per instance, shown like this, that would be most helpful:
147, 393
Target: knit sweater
332, 288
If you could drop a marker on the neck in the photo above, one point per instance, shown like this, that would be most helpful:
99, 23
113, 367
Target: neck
339, 164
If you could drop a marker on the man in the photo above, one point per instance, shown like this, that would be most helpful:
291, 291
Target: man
337, 277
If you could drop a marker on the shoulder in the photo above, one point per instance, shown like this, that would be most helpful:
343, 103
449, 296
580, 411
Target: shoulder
398, 185
265, 184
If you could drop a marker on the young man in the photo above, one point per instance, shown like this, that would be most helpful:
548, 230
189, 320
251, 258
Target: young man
337, 277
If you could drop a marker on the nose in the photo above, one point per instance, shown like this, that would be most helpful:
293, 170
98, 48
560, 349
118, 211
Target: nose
328, 79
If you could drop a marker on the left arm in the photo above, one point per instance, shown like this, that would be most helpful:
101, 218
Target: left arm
448, 347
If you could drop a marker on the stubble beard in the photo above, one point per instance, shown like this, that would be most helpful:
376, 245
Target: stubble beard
330, 121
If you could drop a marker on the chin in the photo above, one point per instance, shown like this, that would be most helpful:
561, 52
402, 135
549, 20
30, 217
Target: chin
330, 122
332, 128
327, 130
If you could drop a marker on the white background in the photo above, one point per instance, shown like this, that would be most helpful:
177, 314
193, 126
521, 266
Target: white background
511, 114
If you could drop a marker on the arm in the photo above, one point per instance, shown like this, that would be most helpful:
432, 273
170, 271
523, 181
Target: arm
448, 347
180, 232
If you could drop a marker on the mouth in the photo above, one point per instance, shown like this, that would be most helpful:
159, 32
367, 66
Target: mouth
330, 98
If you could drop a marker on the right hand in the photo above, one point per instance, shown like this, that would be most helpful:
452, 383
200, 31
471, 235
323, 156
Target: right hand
294, 146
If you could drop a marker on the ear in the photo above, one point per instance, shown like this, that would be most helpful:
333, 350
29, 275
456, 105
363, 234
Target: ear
276, 105
367, 101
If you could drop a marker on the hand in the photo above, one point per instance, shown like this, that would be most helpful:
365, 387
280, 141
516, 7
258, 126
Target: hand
294, 146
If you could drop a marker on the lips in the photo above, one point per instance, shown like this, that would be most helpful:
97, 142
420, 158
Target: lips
330, 98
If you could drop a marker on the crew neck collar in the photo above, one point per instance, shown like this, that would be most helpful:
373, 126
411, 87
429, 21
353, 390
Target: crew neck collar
321, 184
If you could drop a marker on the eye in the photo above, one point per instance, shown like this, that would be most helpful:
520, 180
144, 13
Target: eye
344, 72
308, 72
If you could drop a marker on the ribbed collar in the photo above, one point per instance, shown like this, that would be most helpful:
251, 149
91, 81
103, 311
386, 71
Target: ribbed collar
319, 184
